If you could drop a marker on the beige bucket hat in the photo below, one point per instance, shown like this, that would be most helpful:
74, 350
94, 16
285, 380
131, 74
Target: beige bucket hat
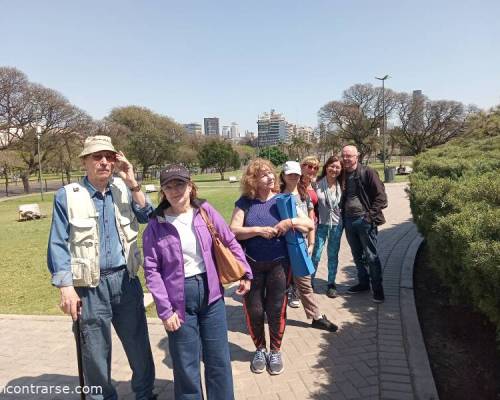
93, 144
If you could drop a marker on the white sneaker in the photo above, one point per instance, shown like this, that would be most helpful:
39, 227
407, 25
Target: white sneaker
293, 299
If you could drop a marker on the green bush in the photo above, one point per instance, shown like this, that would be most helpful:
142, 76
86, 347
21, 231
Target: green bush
455, 201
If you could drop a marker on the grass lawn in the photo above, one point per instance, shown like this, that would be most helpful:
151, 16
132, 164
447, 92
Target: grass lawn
24, 279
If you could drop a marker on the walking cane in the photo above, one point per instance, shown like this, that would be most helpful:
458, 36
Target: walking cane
79, 340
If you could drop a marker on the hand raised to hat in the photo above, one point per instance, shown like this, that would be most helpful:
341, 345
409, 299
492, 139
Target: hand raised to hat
125, 170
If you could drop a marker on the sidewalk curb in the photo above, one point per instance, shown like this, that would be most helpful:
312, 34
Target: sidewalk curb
421, 374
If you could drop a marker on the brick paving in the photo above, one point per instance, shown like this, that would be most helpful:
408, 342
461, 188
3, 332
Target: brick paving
368, 358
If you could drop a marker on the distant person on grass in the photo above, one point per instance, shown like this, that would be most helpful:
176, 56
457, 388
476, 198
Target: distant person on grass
290, 182
362, 202
94, 258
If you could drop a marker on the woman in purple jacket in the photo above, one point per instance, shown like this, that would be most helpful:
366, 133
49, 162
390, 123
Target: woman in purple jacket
181, 275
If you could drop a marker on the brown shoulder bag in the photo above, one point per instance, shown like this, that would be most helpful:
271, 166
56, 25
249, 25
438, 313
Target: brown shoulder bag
228, 267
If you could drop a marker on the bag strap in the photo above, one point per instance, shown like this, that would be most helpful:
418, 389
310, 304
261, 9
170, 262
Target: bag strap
210, 225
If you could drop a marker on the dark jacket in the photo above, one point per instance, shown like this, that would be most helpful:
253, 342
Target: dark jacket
371, 193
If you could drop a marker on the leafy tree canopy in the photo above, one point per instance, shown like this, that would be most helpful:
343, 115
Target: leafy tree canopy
220, 155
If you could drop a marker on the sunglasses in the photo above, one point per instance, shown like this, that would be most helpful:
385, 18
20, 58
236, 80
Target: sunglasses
107, 156
313, 167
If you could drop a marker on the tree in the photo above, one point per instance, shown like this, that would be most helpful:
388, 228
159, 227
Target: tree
484, 124
358, 115
273, 154
23, 107
218, 154
9, 165
153, 139
245, 152
426, 123
62, 132
298, 148
15, 109
187, 155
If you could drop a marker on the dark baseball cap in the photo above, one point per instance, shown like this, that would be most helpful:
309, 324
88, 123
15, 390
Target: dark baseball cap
172, 172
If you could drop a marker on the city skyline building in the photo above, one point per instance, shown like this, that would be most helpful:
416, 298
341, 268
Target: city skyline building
272, 129
235, 130
306, 133
211, 126
226, 131
193, 128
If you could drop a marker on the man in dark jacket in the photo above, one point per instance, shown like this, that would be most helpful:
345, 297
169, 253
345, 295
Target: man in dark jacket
363, 199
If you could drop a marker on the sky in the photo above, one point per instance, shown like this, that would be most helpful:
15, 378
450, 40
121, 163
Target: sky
236, 59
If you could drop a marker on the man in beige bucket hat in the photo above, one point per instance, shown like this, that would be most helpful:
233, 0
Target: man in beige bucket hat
93, 258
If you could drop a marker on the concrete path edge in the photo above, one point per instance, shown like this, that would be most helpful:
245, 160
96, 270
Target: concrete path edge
423, 381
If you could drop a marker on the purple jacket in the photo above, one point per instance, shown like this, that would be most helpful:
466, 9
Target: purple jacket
164, 262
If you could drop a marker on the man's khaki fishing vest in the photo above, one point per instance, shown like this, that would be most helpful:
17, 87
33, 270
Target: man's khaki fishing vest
84, 232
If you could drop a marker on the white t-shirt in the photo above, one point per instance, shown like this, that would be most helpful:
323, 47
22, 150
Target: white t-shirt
193, 261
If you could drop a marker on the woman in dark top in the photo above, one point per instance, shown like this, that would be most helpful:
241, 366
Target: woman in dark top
256, 222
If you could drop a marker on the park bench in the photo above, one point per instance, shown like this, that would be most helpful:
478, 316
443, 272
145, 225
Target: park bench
233, 179
404, 170
28, 212
149, 188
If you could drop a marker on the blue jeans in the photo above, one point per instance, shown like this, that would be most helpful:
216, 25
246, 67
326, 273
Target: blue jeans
362, 238
203, 334
117, 300
333, 234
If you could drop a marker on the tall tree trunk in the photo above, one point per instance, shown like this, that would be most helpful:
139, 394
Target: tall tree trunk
26, 182
68, 174
6, 184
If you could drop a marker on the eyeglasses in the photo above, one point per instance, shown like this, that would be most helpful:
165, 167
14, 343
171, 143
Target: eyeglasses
313, 167
108, 156
349, 156
265, 174
170, 187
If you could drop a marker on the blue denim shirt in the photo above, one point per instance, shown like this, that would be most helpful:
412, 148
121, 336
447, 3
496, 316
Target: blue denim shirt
110, 249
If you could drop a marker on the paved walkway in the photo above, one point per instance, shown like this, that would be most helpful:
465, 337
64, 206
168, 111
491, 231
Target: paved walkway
377, 353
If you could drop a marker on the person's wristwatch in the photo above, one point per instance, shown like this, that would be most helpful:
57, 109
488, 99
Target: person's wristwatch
136, 188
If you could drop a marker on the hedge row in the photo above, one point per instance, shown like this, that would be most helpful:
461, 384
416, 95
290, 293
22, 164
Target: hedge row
455, 201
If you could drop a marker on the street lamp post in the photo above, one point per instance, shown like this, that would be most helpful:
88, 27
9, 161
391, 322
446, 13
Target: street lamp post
383, 122
38, 135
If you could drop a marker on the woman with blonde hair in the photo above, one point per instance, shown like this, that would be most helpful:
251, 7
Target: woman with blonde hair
309, 167
256, 222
